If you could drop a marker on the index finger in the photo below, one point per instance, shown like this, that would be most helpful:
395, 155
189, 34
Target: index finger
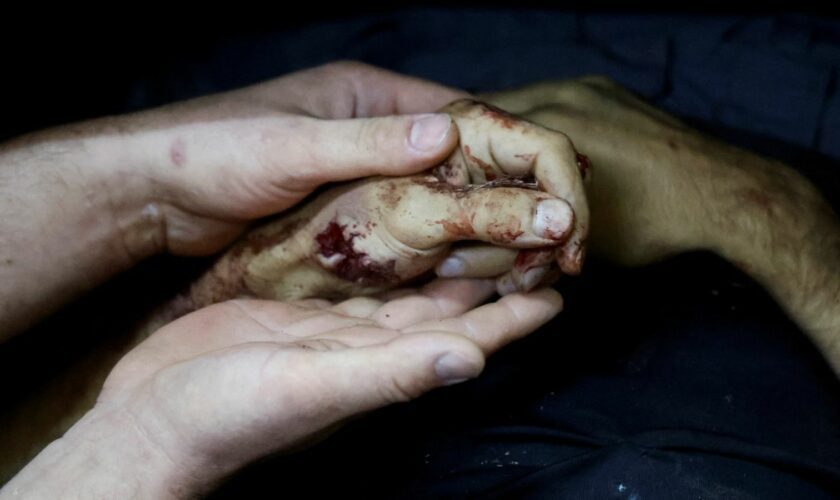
495, 325
496, 144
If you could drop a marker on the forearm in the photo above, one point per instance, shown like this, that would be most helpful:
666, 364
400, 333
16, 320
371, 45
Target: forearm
67, 200
775, 225
102, 456
659, 188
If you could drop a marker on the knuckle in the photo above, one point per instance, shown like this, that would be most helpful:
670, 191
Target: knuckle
580, 91
373, 136
553, 138
562, 141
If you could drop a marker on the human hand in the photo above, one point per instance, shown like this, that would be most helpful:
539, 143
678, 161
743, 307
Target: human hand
659, 188
210, 166
652, 176
190, 177
228, 384
509, 183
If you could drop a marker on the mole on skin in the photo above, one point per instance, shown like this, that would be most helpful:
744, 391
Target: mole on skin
178, 152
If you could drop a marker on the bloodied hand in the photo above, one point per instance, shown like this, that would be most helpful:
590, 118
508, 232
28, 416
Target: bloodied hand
509, 183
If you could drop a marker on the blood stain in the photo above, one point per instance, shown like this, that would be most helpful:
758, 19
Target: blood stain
354, 266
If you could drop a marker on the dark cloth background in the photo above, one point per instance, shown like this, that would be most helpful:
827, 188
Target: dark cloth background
680, 380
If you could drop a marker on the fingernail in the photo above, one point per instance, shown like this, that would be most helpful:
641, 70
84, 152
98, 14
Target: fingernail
532, 278
572, 262
553, 219
451, 267
429, 131
454, 368
505, 285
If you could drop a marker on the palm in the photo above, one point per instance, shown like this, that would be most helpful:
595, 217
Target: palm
232, 374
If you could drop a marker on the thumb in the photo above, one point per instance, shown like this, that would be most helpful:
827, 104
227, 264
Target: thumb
367, 378
338, 150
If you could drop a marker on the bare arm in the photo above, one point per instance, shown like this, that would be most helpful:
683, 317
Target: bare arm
83, 202
659, 188
778, 229
62, 213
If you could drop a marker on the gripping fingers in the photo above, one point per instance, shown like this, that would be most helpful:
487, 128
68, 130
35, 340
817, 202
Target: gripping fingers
497, 145
429, 213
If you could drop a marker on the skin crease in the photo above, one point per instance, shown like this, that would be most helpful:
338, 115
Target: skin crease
658, 188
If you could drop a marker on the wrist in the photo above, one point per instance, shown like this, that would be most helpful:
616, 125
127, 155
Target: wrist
130, 193
777, 228
95, 174
68, 197
104, 455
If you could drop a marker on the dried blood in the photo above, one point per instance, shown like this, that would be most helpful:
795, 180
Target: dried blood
583, 164
352, 265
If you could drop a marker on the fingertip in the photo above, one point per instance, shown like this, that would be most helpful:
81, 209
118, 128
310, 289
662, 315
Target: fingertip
337, 150
551, 296
455, 367
571, 259
429, 132
554, 219
452, 358
399, 370
451, 267
477, 260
